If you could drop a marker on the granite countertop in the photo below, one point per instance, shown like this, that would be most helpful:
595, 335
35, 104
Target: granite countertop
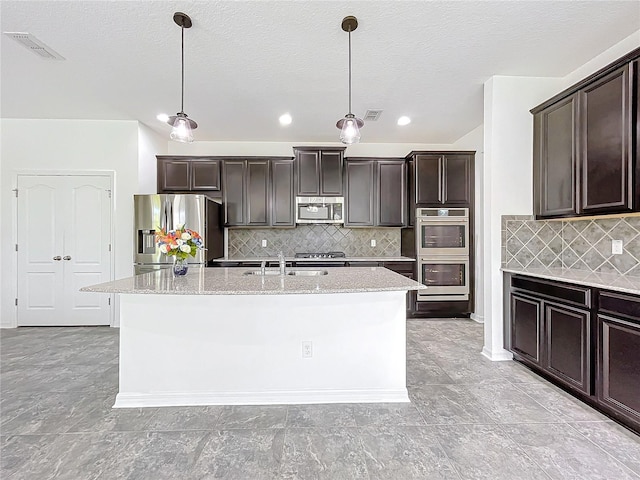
293, 259
231, 281
606, 281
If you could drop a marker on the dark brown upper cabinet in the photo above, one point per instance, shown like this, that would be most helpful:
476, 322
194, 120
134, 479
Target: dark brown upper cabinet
556, 127
605, 144
443, 178
188, 174
319, 171
282, 187
258, 191
586, 145
246, 192
375, 192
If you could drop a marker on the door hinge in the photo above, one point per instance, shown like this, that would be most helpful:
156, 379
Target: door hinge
109, 193
109, 301
109, 247
16, 192
16, 247
16, 302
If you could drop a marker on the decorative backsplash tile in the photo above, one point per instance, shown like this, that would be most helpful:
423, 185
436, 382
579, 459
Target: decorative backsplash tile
578, 244
354, 242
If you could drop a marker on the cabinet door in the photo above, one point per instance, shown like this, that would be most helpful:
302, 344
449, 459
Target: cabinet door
392, 188
282, 205
568, 345
619, 366
360, 188
308, 173
234, 192
526, 327
605, 154
556, 162
456, 181
257, 193
174, 175
428, 179
205, 175
331, 173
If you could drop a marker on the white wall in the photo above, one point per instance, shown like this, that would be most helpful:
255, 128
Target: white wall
474, 140
67, 145
285, 149
150, 144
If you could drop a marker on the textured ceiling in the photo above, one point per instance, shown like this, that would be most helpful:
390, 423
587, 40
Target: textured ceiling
247, 62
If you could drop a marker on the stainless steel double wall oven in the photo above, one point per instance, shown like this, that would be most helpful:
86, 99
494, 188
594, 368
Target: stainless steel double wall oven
442, 243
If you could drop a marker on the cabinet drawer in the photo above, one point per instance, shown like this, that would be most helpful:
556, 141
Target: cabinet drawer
619, 304
572, 294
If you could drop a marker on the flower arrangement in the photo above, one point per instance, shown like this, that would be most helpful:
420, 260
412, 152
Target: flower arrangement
180, 242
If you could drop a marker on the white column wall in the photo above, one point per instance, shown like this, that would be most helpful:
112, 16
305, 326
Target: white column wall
508, 183
56, 145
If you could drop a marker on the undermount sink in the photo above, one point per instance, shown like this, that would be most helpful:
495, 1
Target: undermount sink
262, 273
307, 273
297, 273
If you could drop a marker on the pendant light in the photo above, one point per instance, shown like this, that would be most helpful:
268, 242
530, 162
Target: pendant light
350, 125
183, 126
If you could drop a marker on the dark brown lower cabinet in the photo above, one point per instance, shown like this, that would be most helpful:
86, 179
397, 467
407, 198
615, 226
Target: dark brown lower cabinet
619, 356
526, 327
568, 345
584, 339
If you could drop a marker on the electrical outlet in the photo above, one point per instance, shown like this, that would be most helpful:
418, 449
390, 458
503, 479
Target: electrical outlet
616, 247
264, 243
307, 349
373, 242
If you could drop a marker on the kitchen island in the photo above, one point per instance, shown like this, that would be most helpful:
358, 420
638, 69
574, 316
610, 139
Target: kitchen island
220, 336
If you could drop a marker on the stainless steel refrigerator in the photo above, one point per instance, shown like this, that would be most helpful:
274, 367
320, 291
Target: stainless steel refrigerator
196, 212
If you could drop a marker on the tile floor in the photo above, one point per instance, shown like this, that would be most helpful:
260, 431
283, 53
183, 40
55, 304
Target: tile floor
469, 419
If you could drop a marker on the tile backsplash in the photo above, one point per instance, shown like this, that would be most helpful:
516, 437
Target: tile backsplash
578, 244
354, 242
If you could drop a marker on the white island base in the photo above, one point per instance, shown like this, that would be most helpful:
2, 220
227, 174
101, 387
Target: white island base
248, 349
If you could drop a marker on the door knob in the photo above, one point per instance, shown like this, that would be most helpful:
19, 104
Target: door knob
67, 257
57, 258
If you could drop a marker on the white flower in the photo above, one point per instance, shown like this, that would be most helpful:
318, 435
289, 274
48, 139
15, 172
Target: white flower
185, 236
163, 248
185, 248
173, 246
179, 242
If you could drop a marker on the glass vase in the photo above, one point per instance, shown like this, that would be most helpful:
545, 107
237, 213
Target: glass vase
180, 267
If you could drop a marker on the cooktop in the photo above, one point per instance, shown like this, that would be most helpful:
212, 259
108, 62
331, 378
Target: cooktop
321, 255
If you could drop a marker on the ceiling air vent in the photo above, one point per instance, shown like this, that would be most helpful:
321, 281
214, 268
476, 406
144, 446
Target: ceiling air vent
36, 46
372, 115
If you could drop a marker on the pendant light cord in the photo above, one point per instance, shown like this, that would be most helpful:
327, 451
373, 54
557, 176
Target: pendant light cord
182, 91
349, 70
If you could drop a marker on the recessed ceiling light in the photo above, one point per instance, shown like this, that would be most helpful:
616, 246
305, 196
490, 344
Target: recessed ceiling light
285, 119
163, 117
402, 121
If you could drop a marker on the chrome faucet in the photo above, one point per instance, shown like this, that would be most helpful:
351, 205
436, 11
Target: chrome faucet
263, 268
283, 263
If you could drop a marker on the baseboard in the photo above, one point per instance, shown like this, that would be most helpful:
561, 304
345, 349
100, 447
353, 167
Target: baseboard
501, 356
477, 318
136, 400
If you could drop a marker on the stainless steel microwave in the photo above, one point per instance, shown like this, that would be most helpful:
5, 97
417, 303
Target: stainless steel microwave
320, 210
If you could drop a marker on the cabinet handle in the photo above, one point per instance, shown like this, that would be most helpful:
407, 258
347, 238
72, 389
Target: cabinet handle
57, 258
67, 257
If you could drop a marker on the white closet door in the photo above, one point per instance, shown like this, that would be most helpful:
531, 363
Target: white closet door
86, 256
64, 228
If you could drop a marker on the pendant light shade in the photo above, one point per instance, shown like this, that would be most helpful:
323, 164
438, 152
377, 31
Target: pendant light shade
182, 126
350, 125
